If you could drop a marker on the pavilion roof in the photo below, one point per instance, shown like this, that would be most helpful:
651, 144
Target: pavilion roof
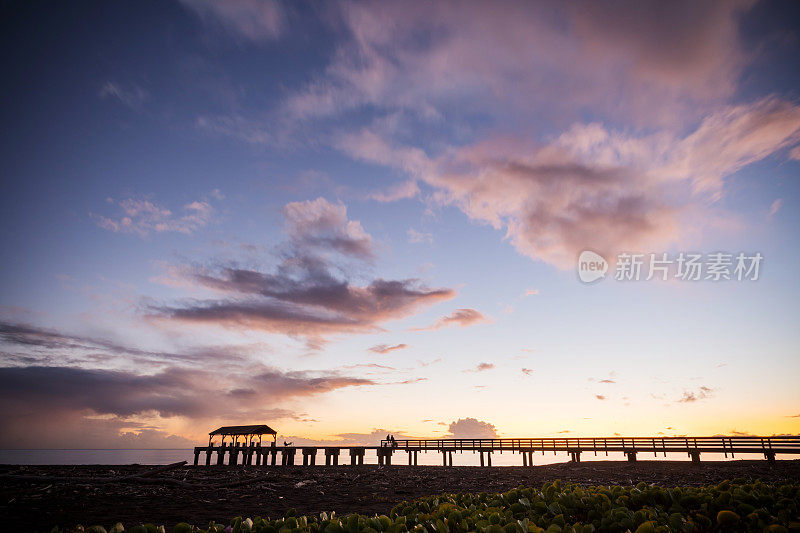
257, 429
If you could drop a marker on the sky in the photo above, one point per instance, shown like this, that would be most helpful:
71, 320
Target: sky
345, 219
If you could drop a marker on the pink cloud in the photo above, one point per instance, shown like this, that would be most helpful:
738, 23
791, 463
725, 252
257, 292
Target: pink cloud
460, 317
529, 54
482, 367
595, 188
775, 207
383, 349
465, 428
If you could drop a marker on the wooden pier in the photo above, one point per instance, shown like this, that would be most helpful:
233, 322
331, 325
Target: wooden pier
250, 452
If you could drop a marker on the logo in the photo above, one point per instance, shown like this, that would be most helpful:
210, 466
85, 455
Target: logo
591, 266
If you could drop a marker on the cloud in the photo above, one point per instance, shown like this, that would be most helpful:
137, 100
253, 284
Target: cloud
607, 381
435, 59
309, 294
599, 396
42, 404
638, 176
36, 345
401, 191
418, 237
527, 371
465, 428
482, 367
409, 381
303, 300
255, 20
323, 225
596, 188
700, 394
143, 217
132, 96
174, 391
387, 348
460, 317
531, 292
775, 207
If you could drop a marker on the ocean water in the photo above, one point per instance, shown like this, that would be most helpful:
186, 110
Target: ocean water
162, 456
95, 457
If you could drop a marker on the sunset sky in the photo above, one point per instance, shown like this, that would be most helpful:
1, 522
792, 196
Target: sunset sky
344, 219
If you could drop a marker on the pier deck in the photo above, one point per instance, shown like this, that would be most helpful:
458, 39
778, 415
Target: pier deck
251, 453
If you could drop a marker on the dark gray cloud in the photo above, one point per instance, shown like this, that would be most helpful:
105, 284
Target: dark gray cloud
309, 293
41, 401
168, 393
303, 299
35, 345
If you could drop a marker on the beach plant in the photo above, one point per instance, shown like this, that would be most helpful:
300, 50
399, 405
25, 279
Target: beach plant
552, 508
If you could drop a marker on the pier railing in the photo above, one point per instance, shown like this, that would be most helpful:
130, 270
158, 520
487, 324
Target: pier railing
693, 446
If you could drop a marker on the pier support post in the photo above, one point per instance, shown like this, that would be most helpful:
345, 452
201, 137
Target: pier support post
575, 456
410, 457
309, 456
196, 456
208, 455
356, 456
631, 455
524, 459
331, 456
258, 454
770, 457
481, 454
233, 454
288, 456
221, 454
695, 455
250, 452
489, 458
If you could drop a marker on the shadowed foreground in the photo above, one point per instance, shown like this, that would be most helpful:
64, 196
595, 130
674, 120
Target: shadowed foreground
201, 494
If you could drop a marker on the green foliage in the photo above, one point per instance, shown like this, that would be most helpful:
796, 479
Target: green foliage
553, 508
